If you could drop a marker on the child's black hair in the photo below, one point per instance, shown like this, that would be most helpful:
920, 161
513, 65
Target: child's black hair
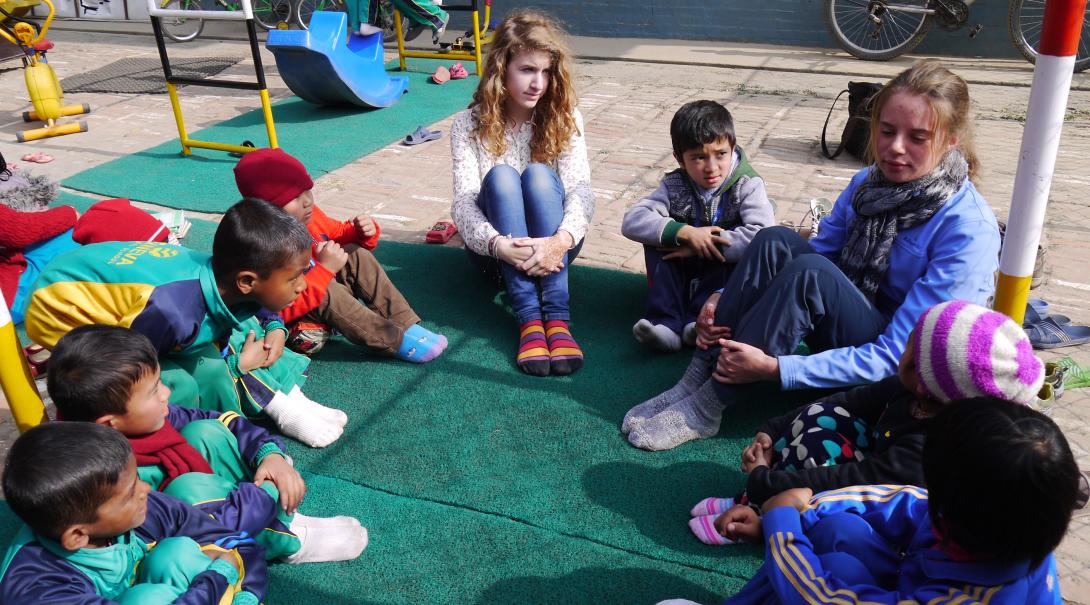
1001, 479
257, 236
57, 474
698, 123
93, 370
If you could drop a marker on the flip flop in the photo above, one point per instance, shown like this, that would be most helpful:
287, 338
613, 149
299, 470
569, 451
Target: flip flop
239, 154
458, 72
38, 157
422, 135
1048, 334
441, 75
1037, 310
441, 232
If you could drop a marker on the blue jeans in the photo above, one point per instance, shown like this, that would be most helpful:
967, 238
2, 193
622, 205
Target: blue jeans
527, 205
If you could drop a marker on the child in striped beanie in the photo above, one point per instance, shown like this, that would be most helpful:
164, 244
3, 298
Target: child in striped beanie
874, 434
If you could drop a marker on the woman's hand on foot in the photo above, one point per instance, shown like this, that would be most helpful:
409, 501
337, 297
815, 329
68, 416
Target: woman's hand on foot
740, 523
287, 480
707, 333
740, 363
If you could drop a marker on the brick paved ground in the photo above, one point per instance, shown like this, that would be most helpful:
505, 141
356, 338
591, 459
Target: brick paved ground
627, 107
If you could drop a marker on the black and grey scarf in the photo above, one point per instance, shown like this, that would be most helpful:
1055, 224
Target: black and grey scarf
883, 208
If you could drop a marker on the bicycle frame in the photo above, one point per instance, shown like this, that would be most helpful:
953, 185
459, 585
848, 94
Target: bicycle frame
920, 11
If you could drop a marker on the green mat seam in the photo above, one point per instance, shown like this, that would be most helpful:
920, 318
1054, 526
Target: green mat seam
487, 513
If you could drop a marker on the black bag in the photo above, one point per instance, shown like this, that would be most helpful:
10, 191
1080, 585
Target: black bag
856, 133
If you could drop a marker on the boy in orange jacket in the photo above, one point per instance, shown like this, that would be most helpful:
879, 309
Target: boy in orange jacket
346, 289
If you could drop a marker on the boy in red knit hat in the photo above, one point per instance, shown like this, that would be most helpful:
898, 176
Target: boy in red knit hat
346, 289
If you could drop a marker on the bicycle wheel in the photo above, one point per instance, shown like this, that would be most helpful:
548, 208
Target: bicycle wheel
1024, 22
271, 13
876, 30
305, 8
181, 29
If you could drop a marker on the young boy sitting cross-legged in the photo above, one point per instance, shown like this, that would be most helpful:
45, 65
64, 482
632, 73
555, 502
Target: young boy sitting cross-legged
94, 533
212, 318
222, 463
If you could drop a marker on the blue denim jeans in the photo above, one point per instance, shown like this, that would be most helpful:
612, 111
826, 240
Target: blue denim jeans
527, 205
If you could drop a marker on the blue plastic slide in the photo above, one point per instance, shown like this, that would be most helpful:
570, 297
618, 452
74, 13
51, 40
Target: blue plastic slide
320, 68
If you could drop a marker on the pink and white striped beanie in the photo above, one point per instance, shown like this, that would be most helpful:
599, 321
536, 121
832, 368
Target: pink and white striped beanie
964, 350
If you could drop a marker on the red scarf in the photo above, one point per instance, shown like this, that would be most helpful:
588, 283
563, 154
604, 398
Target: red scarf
168, 448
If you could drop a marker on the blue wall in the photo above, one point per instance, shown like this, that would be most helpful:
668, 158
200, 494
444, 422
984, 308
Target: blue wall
791, 22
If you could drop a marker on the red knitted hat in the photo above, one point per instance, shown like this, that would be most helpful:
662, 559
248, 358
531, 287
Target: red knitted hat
271, 175
118, 221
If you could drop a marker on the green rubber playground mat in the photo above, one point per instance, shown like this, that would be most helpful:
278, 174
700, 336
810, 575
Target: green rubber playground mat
323, 138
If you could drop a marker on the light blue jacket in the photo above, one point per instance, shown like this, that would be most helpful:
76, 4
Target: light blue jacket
952, 256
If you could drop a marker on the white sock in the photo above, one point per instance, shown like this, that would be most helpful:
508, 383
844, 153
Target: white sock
688, 334
318, 544
329, 413
338, 521
301, 422
366, 29
657, 336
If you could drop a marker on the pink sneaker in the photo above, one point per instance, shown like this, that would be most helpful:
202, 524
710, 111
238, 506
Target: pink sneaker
458, 72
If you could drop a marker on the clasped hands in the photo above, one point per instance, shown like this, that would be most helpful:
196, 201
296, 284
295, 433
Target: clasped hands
738, 362
535, 256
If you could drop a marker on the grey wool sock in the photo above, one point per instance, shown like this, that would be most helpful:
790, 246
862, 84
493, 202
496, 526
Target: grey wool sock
696, 417
698, 372
657, 336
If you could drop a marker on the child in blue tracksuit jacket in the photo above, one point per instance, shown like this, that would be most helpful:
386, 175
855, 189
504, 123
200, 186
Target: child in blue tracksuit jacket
222, 463
94, 534
966, 539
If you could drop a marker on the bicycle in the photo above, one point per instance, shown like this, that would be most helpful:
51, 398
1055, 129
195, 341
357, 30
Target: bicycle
268, 14
879, 30
385, 21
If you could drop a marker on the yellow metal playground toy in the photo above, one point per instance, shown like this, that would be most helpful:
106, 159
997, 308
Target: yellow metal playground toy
41, 83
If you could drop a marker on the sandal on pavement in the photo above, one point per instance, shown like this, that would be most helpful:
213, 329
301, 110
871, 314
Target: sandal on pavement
38, 157
1037, 310
441, 75
441, 232
1048, 334
422, 135
458, 72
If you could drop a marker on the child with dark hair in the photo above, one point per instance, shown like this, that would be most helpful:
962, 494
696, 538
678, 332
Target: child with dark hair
874, 434
219, 462
346, 289
200, 312
696, 225
94, 533
955, 542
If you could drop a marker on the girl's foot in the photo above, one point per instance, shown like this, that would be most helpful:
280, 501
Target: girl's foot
566, 356
704, 529
711, 506
533, 355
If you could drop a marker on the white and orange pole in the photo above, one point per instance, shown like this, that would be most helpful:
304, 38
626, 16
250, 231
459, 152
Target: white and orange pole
18, 386
1037, 157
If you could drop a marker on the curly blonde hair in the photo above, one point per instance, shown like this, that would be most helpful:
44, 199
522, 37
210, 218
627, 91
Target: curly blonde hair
554, 118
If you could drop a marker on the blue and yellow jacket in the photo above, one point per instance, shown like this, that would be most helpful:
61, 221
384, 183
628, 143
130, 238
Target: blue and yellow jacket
168, 293
37, 570
920, 572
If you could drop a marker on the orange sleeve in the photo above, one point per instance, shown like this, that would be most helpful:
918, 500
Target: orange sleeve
318, 279
322, 227
370, 243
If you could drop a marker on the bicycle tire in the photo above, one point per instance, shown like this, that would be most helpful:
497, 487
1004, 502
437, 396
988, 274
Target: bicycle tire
182, 29
1025, 19
268, 14
850, 24
305, 8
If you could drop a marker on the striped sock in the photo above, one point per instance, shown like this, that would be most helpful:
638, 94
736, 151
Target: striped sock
704, 529
533, 356
566, 355
711, 506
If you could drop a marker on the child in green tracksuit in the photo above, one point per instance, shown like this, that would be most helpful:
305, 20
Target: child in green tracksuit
212, 319
219, 462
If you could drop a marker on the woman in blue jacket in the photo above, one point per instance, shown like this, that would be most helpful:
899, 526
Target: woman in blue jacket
910, 231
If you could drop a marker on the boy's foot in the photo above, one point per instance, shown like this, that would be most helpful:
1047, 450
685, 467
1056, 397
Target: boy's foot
564, 353
338, 521
366, 29
299, 420
703, 528
688, 334
318, 544
698, 372
533, 353
420, 345
696, 417
712, 506
657, 336
435, 35
331, 414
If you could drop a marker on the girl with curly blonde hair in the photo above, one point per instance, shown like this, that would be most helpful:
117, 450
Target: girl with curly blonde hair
522, 195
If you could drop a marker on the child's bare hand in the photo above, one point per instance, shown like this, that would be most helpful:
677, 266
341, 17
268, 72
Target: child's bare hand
707, 333
365, 226
287, 480
704, 241
253, 353
273, 343
223, 555
740, 363
331, 256
740, 523
797, 498
675, 252
756, 452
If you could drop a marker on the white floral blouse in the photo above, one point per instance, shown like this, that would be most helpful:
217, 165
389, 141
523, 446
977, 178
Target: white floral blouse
472, 162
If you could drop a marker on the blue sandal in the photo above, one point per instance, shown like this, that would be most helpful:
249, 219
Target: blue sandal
1049, 334
1037, 310
422, 135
